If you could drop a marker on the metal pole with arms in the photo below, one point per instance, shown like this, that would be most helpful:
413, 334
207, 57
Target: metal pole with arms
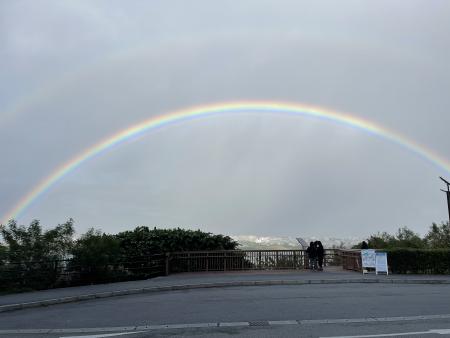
448, 195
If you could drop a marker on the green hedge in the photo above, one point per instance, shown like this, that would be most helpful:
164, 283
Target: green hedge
419, 261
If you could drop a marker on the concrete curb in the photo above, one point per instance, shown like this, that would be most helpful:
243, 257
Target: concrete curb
71, 299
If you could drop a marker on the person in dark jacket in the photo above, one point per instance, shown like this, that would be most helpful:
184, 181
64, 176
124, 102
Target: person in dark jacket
312, 256
320, 254
364, 245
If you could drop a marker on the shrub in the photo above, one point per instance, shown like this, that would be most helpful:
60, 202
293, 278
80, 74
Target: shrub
419, 261
96, 257
142, 241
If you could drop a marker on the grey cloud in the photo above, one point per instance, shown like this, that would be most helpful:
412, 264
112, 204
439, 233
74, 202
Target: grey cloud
243, 174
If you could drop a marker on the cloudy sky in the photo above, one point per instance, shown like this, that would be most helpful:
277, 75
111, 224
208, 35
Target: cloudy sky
75, 72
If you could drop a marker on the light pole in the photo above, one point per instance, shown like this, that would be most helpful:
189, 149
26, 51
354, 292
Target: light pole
448, 195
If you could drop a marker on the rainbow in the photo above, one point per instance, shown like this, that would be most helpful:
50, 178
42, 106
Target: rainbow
192, 113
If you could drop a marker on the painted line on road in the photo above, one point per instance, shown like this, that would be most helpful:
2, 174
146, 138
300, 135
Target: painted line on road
372, 319
233, 324
155, 327
395, 334
283, 322
104, 335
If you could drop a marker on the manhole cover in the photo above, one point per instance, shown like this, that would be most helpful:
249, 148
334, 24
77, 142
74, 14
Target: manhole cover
259, 323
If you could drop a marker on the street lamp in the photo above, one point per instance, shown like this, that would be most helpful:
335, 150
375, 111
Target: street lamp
448, 195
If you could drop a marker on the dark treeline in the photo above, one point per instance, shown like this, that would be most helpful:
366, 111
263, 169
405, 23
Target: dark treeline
35, 258
438, 237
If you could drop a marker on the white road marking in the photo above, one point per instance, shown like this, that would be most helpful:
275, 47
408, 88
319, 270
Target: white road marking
121, 330
283, 322
396, 334
234, 324
441, 331
103, 335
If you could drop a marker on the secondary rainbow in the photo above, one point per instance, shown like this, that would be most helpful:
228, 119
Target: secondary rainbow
152, 123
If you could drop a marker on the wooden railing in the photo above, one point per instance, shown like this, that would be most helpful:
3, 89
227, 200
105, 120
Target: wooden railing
229, 260
351, 259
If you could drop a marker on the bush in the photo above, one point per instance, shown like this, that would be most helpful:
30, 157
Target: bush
142, 241
419, 261
96, 257
136, 254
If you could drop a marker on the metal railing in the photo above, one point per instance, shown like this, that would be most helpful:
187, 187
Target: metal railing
230, 260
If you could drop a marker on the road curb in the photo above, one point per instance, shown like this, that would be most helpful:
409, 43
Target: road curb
107, 294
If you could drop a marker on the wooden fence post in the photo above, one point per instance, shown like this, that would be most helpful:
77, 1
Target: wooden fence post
167, 263
189, 262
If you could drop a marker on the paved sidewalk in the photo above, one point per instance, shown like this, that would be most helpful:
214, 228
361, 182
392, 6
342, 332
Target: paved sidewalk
205, 279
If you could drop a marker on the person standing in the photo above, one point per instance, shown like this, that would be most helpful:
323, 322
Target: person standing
320, 254
312, 256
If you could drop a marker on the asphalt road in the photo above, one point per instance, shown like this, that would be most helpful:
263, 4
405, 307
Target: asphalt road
264, 311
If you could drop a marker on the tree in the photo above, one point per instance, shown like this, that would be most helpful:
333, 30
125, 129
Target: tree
438, 236
31, 253
3, 254
95, 256
405, 238
381, 241
142, 241
27, 244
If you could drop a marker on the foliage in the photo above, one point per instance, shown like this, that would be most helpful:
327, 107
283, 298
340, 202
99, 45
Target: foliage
409, 253
439, 236
407, 238
419, 261
26, 244
95, 248
381, 241
3, 254
404, 238
142, 241
29, 260
95, 257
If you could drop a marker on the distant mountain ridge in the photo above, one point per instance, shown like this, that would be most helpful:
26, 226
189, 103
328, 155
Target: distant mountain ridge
252, 242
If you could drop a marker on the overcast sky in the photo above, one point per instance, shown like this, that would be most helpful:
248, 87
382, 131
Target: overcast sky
74, 72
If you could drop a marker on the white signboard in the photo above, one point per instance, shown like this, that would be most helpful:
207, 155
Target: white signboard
368, 258
381, 262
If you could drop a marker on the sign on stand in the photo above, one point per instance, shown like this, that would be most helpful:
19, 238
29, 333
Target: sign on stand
302, 242
381, 263
368, 259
